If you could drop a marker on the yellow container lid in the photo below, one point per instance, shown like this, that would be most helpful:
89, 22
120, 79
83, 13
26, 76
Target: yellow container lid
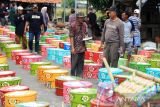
21, 93
55, 71
48, 67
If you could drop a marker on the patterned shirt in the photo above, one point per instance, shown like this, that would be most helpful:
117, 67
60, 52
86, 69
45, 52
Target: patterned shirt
137, 23
78, 31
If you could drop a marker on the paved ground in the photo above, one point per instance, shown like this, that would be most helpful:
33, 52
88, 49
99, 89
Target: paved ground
44, 94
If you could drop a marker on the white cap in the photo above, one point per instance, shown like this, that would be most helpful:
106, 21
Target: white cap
20, 8
136, 11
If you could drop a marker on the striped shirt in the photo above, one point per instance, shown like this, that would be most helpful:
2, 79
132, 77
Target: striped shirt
137, 23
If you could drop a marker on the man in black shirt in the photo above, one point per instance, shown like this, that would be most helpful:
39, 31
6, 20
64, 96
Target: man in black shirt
92, 18
36, 27
20, 24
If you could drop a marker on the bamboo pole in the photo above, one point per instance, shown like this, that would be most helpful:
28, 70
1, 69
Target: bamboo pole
109, 70
141, 74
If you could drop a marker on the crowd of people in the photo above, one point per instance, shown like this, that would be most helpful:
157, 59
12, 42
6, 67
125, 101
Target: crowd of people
25, 20
119, 34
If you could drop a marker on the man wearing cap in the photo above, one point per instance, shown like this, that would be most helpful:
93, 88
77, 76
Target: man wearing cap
78, 30
137, 24
113, 38
19, 27
36, 27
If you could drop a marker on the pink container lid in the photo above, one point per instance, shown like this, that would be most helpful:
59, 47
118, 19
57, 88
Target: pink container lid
13, 88
32, 56
2, 73
20, 51
77, 84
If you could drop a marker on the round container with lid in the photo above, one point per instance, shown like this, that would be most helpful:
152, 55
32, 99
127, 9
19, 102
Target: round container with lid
67, 61
3, 59
4, 67
13, 98
82, 96
9, 81
33, 104
32, 58
138, 58
8, 89
123, 61
50, 76
68, 86
19, 57
90, 70
7, 74
146, 53
41, 69
14, 52
34, 66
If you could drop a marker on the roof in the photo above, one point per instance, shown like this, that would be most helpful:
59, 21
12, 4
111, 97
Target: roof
39, 1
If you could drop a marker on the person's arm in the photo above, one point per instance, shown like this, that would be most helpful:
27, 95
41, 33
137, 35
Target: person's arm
42, 23
121, 35
71, 34
103, 35
25, 28
139, 23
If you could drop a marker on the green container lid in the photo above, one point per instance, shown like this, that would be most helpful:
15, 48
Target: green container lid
155, 56
4, 67
142, 66
11, 47
133, 65
82, 95
8, 81
33, 104
123, 61
155, 63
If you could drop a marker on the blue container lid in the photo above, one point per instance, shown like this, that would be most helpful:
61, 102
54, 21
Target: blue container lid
153, 69
114, 70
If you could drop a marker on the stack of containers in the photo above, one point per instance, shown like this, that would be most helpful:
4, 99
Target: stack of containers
7, 89
13, 98
41, 69
34, 67
81, 97
90, 70
50, 76
3, 44
3, 59
156, 73
8, 81
139, 66
19, 57
4, 67
68, 86
11, 35
103, 74
26, 60
44, 49
14, 52
52, 53
60, 54
155, 60
7, 74
59, 83
10, 48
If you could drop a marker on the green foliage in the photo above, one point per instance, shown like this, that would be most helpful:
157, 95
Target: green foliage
100, 4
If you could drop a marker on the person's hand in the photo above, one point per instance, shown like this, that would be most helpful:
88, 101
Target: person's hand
73, 51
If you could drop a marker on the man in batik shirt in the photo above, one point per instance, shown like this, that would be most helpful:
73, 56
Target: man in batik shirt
77, 32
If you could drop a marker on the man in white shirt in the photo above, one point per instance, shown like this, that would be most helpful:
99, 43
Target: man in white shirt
128, 33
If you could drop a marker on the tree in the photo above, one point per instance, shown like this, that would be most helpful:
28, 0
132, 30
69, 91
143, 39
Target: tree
101, 4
